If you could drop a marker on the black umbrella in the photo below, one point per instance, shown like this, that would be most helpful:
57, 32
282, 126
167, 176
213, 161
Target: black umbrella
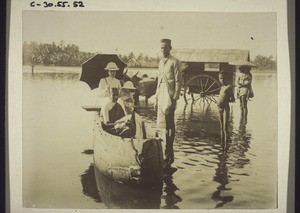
93, 69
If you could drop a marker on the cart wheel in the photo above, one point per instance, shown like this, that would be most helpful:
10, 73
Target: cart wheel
201, 88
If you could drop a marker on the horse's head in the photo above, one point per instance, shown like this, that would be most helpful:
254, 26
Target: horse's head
146, 88
134, 79
125, 76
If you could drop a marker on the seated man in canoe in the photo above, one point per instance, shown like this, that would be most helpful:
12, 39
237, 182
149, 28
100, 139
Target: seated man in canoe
126, 97
112, 110
114, 120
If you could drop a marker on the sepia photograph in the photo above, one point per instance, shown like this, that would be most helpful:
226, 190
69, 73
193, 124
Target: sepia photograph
149, 110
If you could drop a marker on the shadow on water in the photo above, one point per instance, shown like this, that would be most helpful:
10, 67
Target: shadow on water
199, 138
221, 177
89, 186
171, 198
197, 132
198, 122
117, 195
148, 113
231, 155
240, 144
120, 196
88, 152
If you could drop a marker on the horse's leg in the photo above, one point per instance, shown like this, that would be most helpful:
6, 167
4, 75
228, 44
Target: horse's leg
136, 99
146, 100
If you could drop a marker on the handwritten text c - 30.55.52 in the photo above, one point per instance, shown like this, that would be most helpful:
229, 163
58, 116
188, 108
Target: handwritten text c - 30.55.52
46, 4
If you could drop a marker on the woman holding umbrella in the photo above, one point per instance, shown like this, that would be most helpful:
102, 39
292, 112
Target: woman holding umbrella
109, 82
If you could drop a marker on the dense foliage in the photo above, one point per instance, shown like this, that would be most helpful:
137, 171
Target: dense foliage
140, 60
69, 55
265, 63
51, 54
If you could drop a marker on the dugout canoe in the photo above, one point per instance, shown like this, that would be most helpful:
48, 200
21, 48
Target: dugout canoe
137, 160
122, 196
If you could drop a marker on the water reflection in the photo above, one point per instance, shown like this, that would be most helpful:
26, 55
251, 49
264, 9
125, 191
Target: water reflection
120, 196
240, 145
197, 109
171, 198
232, 155
221, 177
194, 123
89, 186
197, 148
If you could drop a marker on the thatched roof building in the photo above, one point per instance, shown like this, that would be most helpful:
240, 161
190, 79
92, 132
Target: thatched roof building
211, 55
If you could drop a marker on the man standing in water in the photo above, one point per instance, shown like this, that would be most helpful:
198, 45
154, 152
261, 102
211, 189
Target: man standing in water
170, 82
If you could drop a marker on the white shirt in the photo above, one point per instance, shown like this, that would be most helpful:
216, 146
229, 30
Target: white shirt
170, 68
106, 84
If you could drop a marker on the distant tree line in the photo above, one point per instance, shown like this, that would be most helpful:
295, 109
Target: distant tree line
265, 63
69, 55
140, 60
52, 54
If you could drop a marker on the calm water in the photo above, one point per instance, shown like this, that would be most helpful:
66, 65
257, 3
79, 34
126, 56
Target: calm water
57, 152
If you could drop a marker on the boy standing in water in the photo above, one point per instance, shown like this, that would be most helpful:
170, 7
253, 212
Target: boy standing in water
244, 91
226, 95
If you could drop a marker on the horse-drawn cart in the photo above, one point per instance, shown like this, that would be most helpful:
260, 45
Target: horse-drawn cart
201, 68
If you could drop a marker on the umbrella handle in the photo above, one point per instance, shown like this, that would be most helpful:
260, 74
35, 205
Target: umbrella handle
126, 71
108, 87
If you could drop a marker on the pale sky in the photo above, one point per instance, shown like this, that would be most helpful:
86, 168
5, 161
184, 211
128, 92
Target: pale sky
123, 32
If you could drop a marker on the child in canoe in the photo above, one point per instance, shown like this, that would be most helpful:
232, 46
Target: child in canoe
226, 95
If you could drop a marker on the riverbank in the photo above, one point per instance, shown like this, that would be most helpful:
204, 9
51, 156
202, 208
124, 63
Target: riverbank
63, 69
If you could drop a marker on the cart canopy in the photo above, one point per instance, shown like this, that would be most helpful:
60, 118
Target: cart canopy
211, 55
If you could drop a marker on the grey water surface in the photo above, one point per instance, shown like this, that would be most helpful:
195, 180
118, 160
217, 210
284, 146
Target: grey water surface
57, 146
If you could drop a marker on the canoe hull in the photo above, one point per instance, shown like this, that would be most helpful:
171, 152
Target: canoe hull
127, 160
122, 196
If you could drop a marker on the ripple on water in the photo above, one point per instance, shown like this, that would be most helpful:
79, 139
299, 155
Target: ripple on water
189, 151
206, 152
189, 164
214, 162
200, 143
239, 174
200, 149
203, 169
194, 160
185, 146
203, 164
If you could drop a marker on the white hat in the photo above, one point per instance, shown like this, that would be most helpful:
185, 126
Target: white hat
128, 85
111, 66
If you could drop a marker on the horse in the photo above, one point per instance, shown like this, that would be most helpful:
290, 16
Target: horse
145, 86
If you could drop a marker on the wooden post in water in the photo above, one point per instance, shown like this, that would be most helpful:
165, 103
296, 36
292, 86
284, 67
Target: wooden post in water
32, 69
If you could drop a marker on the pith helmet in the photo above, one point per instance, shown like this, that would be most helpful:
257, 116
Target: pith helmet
111, 66
128, 85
